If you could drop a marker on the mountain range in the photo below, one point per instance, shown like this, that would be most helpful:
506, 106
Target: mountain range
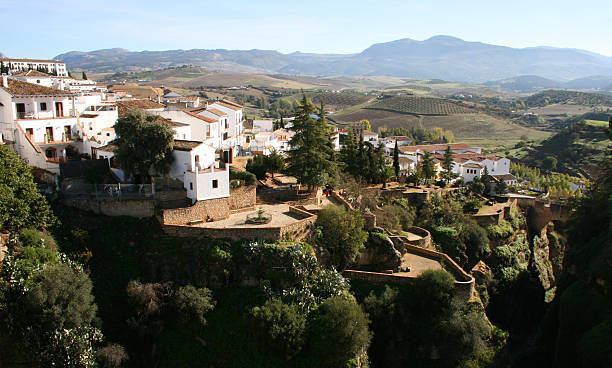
439, 57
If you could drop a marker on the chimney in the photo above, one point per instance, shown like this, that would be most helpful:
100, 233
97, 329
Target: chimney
4, 80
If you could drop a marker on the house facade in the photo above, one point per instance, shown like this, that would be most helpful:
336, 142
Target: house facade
20, 65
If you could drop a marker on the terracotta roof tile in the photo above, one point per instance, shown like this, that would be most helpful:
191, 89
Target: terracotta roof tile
201, 117
20, 88
216, 112
183, 145
32, 73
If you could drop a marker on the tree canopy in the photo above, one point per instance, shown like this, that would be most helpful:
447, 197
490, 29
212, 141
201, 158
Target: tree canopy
144, 142
342, 234
311, 158
21, 204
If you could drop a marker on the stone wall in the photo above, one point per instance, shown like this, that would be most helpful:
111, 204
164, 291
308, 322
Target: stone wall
425, 241
464, 282
216, 209
294, 231
112, 207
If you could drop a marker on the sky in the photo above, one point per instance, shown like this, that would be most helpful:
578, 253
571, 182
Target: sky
44, 29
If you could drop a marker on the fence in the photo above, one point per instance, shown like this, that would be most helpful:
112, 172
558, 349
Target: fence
107, 191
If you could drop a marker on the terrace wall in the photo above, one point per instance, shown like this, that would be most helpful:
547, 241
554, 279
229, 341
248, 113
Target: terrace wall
240, 199
126, 207
464, 282
295, 231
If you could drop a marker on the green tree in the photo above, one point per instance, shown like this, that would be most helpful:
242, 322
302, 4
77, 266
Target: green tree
191, 303
342, 234
282, 325
311, 158
338, 332
549, 163
21, 204
348, 154
396, 164
84, 76
275, 162
144, 142
447, 165
48, 309
427, 166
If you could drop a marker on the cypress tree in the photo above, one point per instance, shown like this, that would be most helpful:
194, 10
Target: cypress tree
396, 164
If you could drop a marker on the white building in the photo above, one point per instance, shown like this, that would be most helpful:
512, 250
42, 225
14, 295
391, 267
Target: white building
194, 164
40, 122
21, 65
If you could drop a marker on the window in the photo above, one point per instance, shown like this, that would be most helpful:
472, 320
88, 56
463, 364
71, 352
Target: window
225, 136
43, 106
38, 81
190, 186
215, 183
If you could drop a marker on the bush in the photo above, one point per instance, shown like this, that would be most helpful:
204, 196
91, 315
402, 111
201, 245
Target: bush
501, 231
472, 205
282, 325
338, 332
244, 176
342, 234
35, 238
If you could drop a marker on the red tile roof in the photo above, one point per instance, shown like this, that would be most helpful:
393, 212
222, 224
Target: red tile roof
20, 88
32, 73
144, 104
201, 117
216, 112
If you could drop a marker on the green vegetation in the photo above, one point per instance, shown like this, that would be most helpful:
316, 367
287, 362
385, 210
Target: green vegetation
144, 142
47, 305
260, 165
364, 161
311, 158
244, 177
21, 205
555, 183
422, 136
567, 97
444, 331
420, 106
342, 235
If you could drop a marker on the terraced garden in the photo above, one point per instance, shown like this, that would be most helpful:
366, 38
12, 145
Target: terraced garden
420, 106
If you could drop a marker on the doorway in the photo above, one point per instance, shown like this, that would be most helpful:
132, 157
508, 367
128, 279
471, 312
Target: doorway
59, 108
20, 110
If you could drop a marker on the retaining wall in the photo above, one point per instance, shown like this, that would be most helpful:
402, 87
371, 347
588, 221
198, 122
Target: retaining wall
464, 282
294, 231
240, 198
110, 207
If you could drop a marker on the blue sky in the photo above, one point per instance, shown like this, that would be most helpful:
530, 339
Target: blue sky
44, 29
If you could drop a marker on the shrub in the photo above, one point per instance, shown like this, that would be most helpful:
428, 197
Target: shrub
282, 325
245, 177
342, 234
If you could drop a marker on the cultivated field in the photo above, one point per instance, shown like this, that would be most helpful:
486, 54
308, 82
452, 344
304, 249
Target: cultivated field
561, 109
420, 106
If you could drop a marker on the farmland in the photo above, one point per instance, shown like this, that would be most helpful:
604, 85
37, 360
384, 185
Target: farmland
420, 106
338, 100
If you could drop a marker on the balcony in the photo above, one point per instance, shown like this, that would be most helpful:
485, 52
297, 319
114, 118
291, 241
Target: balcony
56, 160
32, 116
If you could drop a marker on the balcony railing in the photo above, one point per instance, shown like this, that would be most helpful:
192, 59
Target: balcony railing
31, 115
57, 160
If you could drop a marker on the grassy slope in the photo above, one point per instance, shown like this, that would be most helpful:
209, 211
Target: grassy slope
478, 129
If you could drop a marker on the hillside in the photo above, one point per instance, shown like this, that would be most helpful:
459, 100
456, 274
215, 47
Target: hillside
567, 97
579, 148
524, 84
439, 57
419, 106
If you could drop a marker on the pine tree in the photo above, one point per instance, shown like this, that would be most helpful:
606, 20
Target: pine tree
447, 164
84, 76
427, 166
348, 154
311, 157
396, 164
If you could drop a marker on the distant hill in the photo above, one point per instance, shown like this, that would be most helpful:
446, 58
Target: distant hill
533, 83
524, 84
439, 57
567, 97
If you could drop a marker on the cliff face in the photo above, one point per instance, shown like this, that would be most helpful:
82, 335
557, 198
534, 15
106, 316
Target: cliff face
548, 249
